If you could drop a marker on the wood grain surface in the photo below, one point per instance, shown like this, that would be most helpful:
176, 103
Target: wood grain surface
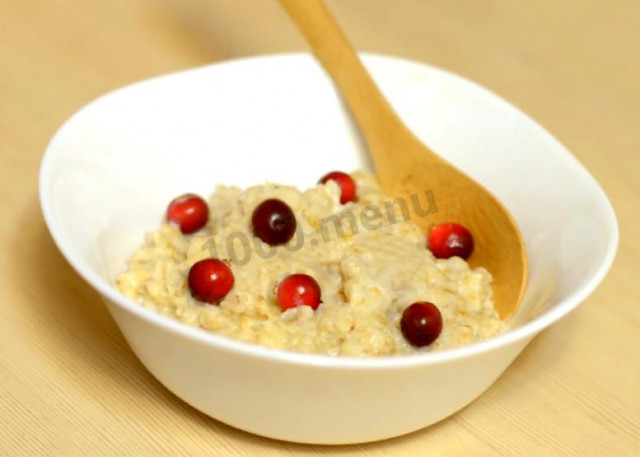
69, 385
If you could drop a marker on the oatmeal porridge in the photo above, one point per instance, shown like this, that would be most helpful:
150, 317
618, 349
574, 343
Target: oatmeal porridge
336, 269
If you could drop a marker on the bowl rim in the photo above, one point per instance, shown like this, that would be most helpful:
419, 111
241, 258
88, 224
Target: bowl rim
196, 334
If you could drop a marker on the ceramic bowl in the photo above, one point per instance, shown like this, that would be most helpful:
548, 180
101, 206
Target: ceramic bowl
109, 172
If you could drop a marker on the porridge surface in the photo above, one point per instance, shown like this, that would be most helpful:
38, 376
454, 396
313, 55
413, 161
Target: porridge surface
369, 262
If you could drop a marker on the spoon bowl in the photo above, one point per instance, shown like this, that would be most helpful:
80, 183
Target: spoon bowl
407, 169
109, 172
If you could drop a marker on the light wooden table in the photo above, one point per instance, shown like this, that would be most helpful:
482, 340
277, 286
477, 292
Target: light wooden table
69, 385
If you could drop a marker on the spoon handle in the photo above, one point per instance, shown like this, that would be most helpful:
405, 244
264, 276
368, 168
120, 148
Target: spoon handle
378, 122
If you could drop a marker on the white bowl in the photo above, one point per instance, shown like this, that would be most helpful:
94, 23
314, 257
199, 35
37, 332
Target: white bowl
111, 169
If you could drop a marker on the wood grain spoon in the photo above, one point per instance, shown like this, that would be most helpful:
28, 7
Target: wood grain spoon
405, 167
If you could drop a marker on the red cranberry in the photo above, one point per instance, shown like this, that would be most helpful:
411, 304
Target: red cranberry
273, 222
298, 290
448, 240
189, 211
346, 183
210, 280
421, 323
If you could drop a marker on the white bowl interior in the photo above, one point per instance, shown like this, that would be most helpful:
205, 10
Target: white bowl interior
110, 171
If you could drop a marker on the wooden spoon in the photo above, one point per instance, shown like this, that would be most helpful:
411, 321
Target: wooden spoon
406, 167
